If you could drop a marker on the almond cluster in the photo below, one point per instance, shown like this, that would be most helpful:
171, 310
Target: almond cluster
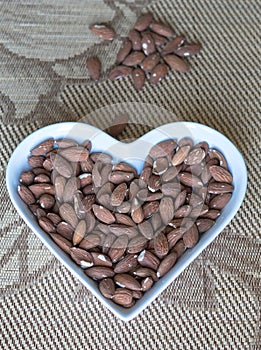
126, 230
148, 53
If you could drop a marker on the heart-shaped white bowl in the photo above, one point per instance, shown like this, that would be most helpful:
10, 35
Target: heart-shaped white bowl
134, 153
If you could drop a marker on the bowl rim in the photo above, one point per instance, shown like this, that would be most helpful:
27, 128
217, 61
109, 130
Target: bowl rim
123, 313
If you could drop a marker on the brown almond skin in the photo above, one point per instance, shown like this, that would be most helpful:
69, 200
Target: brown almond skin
62, 166
191, 237
94, 67
173, 45
124, 51
138, 77
220, 201
27, 178
43, 147
107, 287
220, 187
177, 64
220, 174
161, 245
46, 224
143, 22
146, 284
137, 244
150, 62
62, 242
135, 39
68, 214
74, 154
204, 225
159, 39
127, 264
166, 264
125, 280
103, 214
99, 272
162, 29
81, 257
123, 296
162, 148
148, 259
166, 209
26, 194
147, 43
104, 31
41, 188
120, 72
188, 50
134, 58
158, 73
100, 259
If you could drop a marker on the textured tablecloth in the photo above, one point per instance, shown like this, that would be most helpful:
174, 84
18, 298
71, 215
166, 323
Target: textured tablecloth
215, 302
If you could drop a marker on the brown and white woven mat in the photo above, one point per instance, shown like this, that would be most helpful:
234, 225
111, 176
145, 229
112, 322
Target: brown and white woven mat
215, 303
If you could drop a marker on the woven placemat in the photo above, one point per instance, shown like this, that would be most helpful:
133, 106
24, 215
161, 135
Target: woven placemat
215, 302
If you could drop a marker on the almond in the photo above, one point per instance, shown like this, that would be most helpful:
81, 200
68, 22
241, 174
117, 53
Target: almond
188, 50
158, 73
99, 272
74, 154
26, 194
204, 225
173, 45
138, 77
68, 214
162, 148
127, 264
124, 219
137, 244
146, 229
46, 224
125, 280
43, 148
94, 67
143, 21
162, 29
134, 58
27, 178
62, 242
118, 194
35, 161
220, 201
117, 126
166, 209
118, 248
59, 184
145, 272
119, 230
81, 257
148, 259
177, 64
147, 43
150, 208
62, 166
160, 165
65, 230
161, 246
137, 214
220, 187
195, 156
180, 155
179, 248
124, 51
159, 39
191, 237
166, 264
46, 201
175, 235
79, 232
150, 62
220, 174
103, 31
117, 177
123, 296
40, 189
107, 288
190, 180
120, 72
146, 284
70, 188
100, 259
103, 214
90, 241
135, 39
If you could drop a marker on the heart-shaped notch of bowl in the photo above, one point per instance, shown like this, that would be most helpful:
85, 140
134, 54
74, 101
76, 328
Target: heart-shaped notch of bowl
133, 153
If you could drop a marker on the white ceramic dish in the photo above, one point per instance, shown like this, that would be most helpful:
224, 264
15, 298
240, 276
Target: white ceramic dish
133, 153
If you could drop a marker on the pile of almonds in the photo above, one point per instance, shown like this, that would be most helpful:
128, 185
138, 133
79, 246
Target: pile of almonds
149, 51
126, 230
